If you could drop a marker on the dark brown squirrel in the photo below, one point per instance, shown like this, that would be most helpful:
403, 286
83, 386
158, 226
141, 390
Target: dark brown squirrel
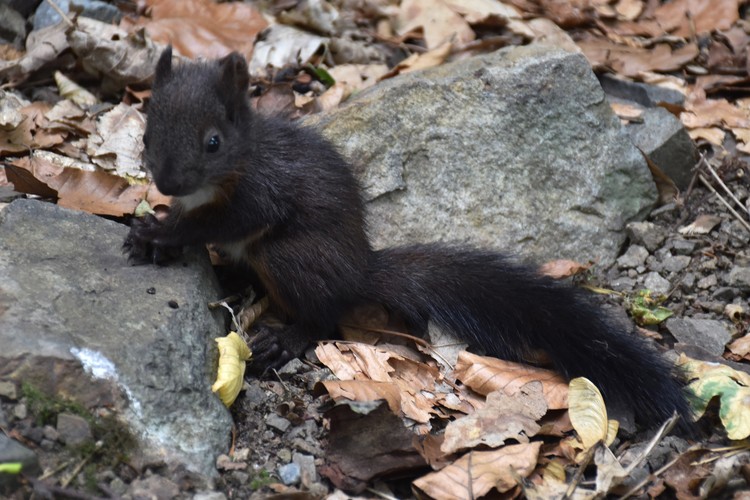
277, 197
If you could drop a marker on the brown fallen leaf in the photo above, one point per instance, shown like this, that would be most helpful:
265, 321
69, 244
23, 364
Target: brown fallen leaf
204, 28
702, 225
563, 268
631, 61
117, 143
477, 472
439, 22
416, 61
688, 18
503, 417
485, 375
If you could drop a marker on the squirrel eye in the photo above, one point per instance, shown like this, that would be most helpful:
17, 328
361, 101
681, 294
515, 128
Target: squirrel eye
213, 143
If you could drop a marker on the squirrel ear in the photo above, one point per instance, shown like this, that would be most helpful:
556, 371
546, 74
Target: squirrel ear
163, 67
234, 76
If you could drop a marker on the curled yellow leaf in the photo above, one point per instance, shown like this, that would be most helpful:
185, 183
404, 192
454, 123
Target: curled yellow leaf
233, 353
587, 412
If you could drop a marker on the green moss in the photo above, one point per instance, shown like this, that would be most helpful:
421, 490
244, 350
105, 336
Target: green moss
263, 478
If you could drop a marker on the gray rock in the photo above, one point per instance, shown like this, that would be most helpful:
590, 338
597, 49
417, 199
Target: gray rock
725, 294
12, 25
665, 141
154, 487
676, 263
306, 465
646, 234
210, 495
708, 334
293, 367
646, 95
739, 277
20, 411
51, 433
684, 247
622, 284
634, 256
289, 474
47, 16
73, 430
279, 423
8, 390
517, 149
655, 283
687, 282
14, 452
707, 282
79, 321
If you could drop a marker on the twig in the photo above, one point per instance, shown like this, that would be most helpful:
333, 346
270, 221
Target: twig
60, 12
725, 202
713, 173
581, 469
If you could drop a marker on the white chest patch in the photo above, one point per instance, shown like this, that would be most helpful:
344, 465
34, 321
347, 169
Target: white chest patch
203, 196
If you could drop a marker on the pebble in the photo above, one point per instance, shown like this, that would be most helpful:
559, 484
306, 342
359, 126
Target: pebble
8, 390
210, 495
635, 256
676, 263
20, 411
279, 423
153, 487
290, 474
707, 282
656, 283
739, 277
74, 430
684, 247
708, 334
646, 234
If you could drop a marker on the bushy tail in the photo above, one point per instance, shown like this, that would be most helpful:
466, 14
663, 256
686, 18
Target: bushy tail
509, 310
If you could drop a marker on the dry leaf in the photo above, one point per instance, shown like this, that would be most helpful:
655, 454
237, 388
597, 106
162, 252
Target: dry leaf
416, 61
714, 135
588, 414
281, 46
503, 417
117, 144
485, 375
477, 472
438, 21
702, 225
563, 268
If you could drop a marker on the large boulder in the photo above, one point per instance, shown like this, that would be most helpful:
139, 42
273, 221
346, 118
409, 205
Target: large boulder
77, 321
517, 150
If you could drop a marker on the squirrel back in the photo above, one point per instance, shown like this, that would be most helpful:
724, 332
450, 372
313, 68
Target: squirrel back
279, 198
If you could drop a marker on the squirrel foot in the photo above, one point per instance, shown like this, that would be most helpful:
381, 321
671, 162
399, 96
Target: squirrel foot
141, 247
274, 346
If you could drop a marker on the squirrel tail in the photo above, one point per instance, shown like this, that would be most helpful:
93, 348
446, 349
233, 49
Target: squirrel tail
510, 310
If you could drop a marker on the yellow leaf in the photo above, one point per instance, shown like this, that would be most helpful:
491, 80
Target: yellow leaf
587, 412
233, 353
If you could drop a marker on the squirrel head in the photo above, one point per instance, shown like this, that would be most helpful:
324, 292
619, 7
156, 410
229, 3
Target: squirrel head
198, 119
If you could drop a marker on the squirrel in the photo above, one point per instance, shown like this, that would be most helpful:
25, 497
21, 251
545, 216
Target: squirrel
278, 198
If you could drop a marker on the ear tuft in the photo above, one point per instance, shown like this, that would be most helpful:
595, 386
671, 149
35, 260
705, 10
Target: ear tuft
234, 77
163, 67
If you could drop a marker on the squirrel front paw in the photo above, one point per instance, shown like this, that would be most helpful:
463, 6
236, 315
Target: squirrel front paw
273, 346
141, 246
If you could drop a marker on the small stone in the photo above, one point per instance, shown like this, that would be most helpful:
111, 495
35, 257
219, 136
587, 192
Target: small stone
306, 464
74, 430
635, 256
646, 234
289, 474
8, 390
210, 495
707, 282
20, 411
725, 293
739, 277
708, 334
293, 367
684, 247
687, 282
656, 283
156, 487
12, 451
51, 433
676, 263
279, 423
285, 455
118, 486
622, 284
